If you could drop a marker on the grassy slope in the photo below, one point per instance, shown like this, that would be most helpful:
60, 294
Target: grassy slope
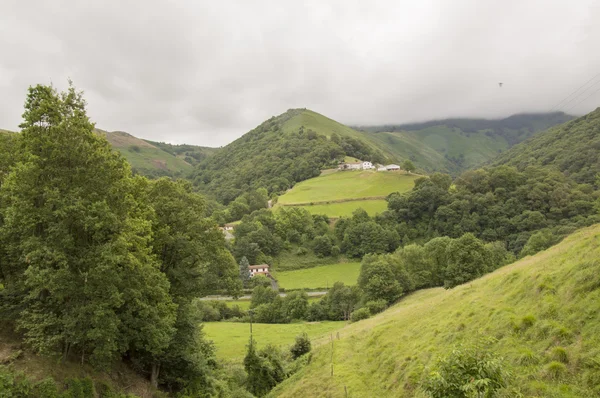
388, 355
348, 185
145, 157
319, 277
231, 338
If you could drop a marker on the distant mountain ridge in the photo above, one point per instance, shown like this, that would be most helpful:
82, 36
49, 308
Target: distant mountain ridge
454, 145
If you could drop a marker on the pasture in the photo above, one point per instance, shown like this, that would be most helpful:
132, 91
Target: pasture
319, 277
344, 185
345, 209
231, 338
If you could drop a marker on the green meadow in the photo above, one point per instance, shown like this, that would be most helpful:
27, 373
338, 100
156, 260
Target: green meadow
319, 277
348, 185
231, 339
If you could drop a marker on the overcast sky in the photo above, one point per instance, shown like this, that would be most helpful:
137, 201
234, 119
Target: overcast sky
205, 72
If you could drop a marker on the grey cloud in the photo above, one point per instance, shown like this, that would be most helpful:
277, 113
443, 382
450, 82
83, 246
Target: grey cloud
206, 72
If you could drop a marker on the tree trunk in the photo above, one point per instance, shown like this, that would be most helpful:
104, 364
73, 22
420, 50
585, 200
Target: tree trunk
154, 375
66, 350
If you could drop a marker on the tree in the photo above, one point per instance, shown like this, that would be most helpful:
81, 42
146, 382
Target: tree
378, 281
76, 240
301, 346
322, 246
408, 166
467, 259
295, 305
244, 271
265, 369
340, 301
262, 295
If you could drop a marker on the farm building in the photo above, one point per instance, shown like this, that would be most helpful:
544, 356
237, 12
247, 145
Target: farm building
261, 269
381, 168
351, 166
392, 167
367, 165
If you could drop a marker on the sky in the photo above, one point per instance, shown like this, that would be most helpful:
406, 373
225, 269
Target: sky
205, 72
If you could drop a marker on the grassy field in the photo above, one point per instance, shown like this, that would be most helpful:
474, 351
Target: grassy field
541, 313
319, 277
348, 185
345, 209
231, 338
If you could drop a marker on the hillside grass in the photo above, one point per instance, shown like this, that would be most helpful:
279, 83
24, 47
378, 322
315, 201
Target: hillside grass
345, 185
319, 277
245, 304
288, 260
533, 309
231, 339
345, 209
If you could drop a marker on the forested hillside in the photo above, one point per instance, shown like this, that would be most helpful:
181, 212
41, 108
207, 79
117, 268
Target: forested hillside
454, 145
286, 149
573, 148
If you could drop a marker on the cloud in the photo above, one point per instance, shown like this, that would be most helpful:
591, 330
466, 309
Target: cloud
206, 72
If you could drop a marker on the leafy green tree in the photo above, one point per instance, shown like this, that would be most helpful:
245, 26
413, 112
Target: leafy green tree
340, 301
262, 295
76, 240
437, 251
408, 166
265, 369
365, 237
322, 246
301, 346
467, 259
418, 264
295, 305
378, 281
539, 241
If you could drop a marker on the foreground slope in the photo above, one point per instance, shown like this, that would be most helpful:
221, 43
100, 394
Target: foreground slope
572, 147
541, 311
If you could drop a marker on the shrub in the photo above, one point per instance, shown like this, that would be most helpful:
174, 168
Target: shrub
527, 322
301, 346
528, 357
559, 354
335, 251
360, 314
302, 251
376, 306
466, 372
134, 148
555, 370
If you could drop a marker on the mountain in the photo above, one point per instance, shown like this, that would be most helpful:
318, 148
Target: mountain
533, 321
573, 148
283, 150
155, 159
454, 145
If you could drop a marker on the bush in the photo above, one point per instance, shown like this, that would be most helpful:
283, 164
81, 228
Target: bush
302, 251
555, 370
301, 346
335, 251
360, 314
466, 372
376, 306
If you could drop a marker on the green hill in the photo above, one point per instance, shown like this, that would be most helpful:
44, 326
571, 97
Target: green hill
572, 147
156, 159
282, 151
454, 145
340, 193
540, 315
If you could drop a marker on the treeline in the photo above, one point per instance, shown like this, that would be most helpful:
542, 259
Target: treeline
98, 265
271, 158
193, 154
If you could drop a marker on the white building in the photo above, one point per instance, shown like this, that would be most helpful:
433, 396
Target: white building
351, 166
367, 166
392, 167
261, 269
381, 168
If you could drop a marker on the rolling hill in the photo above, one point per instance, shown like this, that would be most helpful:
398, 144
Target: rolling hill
539, 316
156, 159
454, 145
573, 148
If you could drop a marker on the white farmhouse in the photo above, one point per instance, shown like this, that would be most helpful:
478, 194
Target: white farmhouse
381, 168
367, 166
351, 166
261, 269
392, 167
